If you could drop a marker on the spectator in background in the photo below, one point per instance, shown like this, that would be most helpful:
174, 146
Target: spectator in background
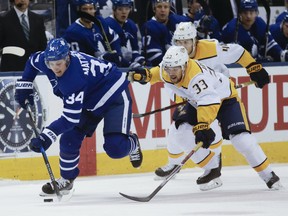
92, 35
279, 31
224, 10
158, 31
282, 15
195, 10
21, 27
66, 14
250, 33
127, 32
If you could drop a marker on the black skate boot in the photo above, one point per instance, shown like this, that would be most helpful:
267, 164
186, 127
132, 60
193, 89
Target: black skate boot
163, 172
210, 178
274, 182
64, 186
136, 156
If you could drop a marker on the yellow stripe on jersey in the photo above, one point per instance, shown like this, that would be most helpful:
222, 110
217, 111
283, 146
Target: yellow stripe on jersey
243, 111
245, 59
207, 114
216, 145
262, 166
175, 156
206, 160
205, 49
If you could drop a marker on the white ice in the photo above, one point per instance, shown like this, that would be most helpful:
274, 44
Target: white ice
242, 193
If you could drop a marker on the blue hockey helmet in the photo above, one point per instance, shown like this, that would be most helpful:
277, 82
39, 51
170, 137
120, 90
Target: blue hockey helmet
160, 1
285, 19
248, 5
82, 2
56, 49
122, 3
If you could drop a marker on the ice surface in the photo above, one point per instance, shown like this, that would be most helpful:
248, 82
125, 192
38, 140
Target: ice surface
242, 193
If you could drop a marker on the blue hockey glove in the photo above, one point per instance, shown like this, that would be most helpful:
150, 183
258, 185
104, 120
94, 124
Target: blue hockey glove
207, 25
203, 133
138, 62
112, 57
45, 139
24, 91
258, 74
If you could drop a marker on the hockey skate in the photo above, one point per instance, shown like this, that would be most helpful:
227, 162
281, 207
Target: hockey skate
65, 187
136, 157
210, 178
163, 172
274, 182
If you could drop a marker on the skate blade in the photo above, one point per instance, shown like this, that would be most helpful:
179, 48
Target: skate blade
215, 183
64, 197
277, 186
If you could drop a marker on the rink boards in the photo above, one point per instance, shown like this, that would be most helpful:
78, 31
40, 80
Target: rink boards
267, 111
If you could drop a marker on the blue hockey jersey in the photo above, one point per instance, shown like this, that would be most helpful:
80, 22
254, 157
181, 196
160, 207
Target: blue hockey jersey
156, 37
87, 84
129, 41
278, 35
91, 40
253, 40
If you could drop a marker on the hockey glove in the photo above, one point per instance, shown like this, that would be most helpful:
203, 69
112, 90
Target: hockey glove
258, 74
112, 57
203, 133
45, 139
141, 75
24, 91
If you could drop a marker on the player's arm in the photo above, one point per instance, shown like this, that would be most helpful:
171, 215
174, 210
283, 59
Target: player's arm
73, 104
24, 88
234, 53
208, 104
145, 75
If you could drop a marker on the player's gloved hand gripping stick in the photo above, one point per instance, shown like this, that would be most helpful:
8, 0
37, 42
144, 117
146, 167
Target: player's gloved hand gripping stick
48, 166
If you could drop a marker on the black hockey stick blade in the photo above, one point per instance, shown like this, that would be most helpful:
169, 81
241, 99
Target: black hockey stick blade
166, 180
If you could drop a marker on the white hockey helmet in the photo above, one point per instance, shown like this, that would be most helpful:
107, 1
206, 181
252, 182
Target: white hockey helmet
175, 56
184, 30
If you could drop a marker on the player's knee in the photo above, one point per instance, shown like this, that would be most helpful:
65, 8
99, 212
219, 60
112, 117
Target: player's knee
70, 142
117, 145
244, 142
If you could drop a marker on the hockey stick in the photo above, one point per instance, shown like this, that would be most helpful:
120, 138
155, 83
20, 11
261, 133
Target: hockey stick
139, 115
237, 22
241, 85
166, 180
268, 13
48, 166
97, 22
13, 50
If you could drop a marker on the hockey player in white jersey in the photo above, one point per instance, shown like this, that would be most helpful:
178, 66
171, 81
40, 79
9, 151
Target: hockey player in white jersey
206, 49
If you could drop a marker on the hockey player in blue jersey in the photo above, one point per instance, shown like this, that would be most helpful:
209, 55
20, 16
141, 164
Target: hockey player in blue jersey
281, 16
279, 31
127, 32
93, 38
195, 10
91, 90
157, 32
250, 33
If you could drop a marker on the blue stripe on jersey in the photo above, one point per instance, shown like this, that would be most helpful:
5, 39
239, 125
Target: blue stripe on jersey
110, 92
